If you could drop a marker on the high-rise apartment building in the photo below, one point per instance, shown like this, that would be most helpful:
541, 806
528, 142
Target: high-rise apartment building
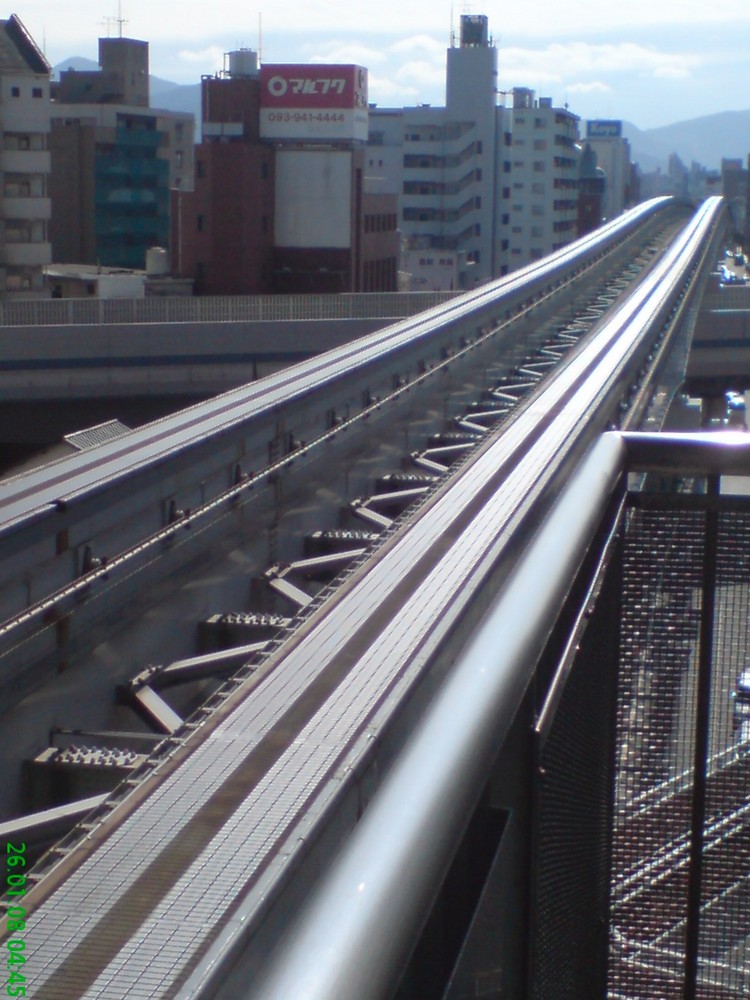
440, 162
482, 189
24, 162
543, 154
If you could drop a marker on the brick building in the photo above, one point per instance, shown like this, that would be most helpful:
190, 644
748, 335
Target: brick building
280, 201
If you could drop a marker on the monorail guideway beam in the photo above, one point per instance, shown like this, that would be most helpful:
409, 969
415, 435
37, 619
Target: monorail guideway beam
406, 605
112, 518
294, 582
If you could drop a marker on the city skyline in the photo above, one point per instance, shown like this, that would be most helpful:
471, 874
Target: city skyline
646, 64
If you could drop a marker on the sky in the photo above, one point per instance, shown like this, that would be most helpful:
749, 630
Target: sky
649, 63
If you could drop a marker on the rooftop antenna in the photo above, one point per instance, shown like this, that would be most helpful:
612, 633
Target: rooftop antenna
119, 20
453, 30
260, 37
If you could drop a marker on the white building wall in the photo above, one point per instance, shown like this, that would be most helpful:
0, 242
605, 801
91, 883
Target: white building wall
25, 207
440, 163
431, 270
539, 169
613, 156
313, 205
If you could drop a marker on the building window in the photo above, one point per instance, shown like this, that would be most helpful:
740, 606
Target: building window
37, 92
15, 91
200, 168
200, 223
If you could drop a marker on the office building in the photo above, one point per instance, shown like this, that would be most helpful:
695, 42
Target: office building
612, 151
280, 203
114, 161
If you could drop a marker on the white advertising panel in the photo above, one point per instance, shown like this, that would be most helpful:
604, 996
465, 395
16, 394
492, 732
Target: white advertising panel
313, 198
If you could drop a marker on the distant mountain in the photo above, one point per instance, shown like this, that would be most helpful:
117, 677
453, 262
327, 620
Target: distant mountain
79, 63
178, 98
705, 140
164, 93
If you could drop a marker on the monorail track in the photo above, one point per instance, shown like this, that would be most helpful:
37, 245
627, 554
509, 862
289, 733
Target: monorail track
81, 531
226, 809
83, 575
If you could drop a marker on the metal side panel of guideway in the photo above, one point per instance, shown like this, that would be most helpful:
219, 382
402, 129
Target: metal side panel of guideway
141, 904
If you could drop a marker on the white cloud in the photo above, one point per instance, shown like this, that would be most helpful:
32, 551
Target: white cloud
416, 43
422, 73
349, 52
672, 72
579, 59
595, 87
213, 54
385, 91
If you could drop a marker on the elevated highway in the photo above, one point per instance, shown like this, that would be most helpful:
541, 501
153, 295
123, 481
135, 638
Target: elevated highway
378, 702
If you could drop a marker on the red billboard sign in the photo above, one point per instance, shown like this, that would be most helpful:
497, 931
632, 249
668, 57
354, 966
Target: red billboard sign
313, 86
313, 102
